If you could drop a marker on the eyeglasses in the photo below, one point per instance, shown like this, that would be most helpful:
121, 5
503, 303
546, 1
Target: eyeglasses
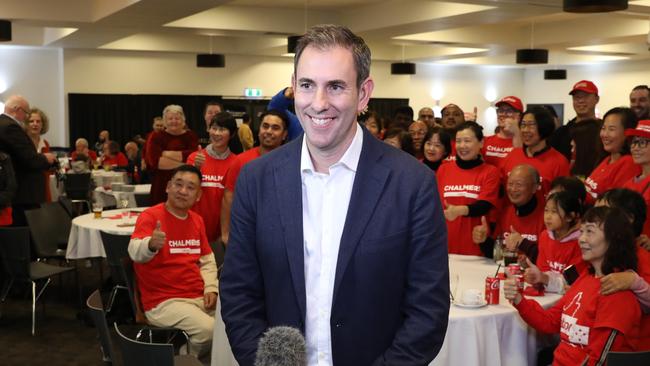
640, 142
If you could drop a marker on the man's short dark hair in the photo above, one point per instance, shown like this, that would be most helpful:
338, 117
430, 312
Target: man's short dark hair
210, 103
185, 168
277, 113
225, 120
325, 36
630, 202
642, 87
404, 109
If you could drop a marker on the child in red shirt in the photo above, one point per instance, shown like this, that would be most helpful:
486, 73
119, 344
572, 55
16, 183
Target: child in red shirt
558, 244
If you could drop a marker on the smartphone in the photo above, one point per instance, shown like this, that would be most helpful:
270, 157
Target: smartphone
570, 274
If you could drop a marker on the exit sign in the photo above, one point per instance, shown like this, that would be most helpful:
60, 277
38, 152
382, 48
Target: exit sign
252, 93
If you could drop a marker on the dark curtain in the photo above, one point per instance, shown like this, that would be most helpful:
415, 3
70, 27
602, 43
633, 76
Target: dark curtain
127, 115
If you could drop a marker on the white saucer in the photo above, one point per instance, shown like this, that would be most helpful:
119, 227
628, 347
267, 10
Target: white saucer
470, 306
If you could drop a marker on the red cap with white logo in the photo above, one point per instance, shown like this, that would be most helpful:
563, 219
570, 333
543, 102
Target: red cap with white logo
512, 101
642, 129
585, 86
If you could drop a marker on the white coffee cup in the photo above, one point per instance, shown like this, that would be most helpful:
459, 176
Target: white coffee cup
472, 297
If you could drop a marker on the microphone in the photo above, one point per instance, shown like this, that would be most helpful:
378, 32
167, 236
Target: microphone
281, 346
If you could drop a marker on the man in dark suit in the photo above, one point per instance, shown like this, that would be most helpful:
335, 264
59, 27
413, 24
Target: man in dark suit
336, 233
28, 163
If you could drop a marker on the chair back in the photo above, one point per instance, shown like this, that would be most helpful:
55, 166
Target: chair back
77, 186
50, 229
96, 309
142, 200
136, 353
134, 293
628, 358
14, 251
117, 249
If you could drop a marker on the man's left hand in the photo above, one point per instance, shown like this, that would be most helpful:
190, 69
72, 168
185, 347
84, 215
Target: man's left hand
210, 300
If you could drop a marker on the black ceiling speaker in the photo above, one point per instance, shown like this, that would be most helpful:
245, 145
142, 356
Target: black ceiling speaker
532, 56
292, 42
594, 6
555, 74
210, 60
5, 31
402, 68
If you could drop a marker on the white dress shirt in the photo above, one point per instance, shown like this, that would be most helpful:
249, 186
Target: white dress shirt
325, 200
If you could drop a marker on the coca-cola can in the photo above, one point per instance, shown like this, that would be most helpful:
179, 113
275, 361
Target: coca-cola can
492, 285
514, 269
520, 283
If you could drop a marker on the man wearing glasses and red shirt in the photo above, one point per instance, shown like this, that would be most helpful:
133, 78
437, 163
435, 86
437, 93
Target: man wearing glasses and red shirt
497, 146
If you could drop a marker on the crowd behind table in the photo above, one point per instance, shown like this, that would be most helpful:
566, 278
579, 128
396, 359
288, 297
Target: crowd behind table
523, 188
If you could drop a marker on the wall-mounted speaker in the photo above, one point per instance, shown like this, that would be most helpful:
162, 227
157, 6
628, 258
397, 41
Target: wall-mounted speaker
402, 68
210, 60
555, 74
532, 56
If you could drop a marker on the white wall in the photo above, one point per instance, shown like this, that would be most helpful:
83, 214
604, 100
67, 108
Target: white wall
614, 80
36, 74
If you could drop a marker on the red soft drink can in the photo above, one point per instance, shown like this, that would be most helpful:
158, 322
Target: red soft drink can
514, 269
520, 283
492, 285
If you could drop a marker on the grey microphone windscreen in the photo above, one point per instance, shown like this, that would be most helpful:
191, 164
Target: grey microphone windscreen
281, 346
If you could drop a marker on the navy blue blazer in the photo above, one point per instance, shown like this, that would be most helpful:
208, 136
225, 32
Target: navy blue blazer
391, 289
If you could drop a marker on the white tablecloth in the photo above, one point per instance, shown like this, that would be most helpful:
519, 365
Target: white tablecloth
110, 197
488, 336
85, 241
492, 335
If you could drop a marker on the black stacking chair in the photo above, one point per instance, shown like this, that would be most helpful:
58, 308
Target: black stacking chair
96, 309
14, 250
116, 248
78, 188
142, 200
135, 353
50, 229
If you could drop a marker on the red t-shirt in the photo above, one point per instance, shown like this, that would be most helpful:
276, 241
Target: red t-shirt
555, 255
495, 149
186, 143
584, 318
528, 226
643, 187
6, 218
173, 272
452, 153
463, 187
607, 176
117, 160
242, 159
550, 164
214, 173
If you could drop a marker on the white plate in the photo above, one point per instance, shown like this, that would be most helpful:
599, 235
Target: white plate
470, 306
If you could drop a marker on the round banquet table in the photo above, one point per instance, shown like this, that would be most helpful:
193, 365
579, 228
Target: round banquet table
488, 336
85, 241
109, 197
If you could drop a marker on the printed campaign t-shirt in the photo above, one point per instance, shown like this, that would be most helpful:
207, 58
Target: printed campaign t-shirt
496, 149
173, 272
214, 172
607, 176
549, 163
459, 186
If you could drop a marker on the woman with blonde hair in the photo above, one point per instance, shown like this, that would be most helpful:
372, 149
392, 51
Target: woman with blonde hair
37, 125
168, 149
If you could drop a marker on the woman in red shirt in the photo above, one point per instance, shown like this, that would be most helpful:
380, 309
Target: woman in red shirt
618, 167
112, 156
469, 189
590, 324
536, 127
640, 147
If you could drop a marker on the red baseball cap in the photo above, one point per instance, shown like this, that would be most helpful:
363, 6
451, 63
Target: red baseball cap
642, 129
585, 86
512, 101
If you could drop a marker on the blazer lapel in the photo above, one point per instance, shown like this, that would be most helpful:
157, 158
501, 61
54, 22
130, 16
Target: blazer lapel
368, 186
288, 187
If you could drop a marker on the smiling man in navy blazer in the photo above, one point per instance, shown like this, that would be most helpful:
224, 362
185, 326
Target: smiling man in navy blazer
336, 233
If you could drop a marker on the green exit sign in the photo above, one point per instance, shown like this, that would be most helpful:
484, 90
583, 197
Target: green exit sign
252, 93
